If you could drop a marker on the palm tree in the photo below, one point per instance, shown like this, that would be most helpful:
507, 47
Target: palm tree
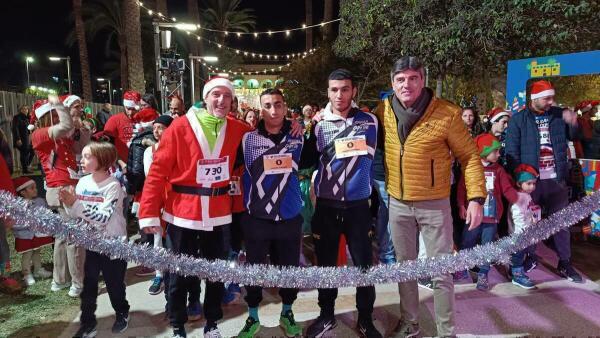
133, 34
106, 16
195, 46
224, 15
83, 52
328, 16
309, 21
161, 7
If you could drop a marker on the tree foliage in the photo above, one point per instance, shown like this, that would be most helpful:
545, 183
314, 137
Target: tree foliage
306, 78
466, 38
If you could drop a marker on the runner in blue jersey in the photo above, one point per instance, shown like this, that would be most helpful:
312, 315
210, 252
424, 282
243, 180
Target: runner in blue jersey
346, 139
273, 223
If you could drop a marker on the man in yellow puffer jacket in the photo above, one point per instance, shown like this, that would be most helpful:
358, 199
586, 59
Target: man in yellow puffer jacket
420, 133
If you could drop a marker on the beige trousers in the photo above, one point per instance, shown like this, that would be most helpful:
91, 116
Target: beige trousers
29, 257
434, 222
68, 258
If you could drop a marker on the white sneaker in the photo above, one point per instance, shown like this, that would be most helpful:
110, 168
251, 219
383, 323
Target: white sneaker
29, 280
74, 291
42, 273
214, 333
57, 287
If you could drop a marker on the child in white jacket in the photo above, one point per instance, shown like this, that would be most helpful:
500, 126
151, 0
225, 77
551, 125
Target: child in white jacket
522, 214
98, 199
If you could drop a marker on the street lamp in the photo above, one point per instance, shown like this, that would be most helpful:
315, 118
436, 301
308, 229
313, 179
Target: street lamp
109, 88
68, 59
28, 60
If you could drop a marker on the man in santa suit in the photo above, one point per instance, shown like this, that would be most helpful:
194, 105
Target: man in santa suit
120, 126
53, 143
196, 156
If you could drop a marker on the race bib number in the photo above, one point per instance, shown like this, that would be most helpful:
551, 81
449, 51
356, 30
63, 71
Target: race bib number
489, 180
277, 164
212, 170
234, 186
536, 213
351, 146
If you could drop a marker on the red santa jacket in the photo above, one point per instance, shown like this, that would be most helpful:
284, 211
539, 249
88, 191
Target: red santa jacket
184, 160
120, 127
57, 158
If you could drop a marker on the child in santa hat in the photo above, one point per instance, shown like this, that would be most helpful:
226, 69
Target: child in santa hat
498, 183
522, 214
28, 242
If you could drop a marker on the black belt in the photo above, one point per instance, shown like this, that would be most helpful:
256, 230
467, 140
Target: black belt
201, 191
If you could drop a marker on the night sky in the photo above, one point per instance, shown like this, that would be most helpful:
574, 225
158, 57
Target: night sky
41, 31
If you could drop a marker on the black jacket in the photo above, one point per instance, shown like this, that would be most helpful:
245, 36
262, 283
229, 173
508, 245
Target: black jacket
19, 129
135, 162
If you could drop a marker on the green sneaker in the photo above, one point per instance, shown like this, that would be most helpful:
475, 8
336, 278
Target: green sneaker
250, 329
288, 324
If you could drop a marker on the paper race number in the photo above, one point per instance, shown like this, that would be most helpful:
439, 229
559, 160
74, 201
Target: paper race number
277, 164
212, 170
351, 146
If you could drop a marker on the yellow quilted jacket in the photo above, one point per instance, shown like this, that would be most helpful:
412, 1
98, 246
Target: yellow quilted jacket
420, 168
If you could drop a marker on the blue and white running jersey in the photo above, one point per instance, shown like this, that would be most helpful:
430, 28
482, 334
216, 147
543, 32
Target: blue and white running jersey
347, 147
271, 185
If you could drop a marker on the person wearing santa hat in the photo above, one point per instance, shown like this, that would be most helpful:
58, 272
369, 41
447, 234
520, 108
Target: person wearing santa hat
195, 158
53, 143
120, 126
498, 119
80, 134
27, 242
537, 136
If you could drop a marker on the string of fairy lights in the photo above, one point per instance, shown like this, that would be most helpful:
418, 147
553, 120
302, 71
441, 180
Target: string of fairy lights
190, 28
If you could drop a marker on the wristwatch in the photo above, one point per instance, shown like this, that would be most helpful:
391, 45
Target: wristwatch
479, 200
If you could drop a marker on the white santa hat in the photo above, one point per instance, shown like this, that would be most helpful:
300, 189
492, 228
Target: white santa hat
540, 89
217, 82
69, 99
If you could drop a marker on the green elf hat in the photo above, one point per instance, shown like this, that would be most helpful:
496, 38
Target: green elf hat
525, 172
486, 143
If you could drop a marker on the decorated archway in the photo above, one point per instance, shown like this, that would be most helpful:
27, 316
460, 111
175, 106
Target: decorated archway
520, 71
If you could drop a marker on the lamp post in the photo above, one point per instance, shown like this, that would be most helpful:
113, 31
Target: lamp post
68, 59
28, 60
109, 88
192, 66
165, 45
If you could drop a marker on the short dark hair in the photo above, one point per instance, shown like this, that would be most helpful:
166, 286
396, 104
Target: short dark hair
272, 91
407, 62
341, 74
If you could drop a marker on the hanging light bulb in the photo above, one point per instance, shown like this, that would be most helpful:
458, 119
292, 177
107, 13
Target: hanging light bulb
303, 26
287, 32
239, 34
255, 35
150, 12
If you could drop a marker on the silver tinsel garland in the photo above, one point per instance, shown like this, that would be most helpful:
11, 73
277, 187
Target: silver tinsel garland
81, 233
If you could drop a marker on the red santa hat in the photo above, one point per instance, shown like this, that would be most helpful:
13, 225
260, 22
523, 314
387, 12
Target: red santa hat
486, 143
540, 89
131, 99
525, 172
496, 114
21, 183
217, 82
68, 99
40, 108
584, 106
145, 117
